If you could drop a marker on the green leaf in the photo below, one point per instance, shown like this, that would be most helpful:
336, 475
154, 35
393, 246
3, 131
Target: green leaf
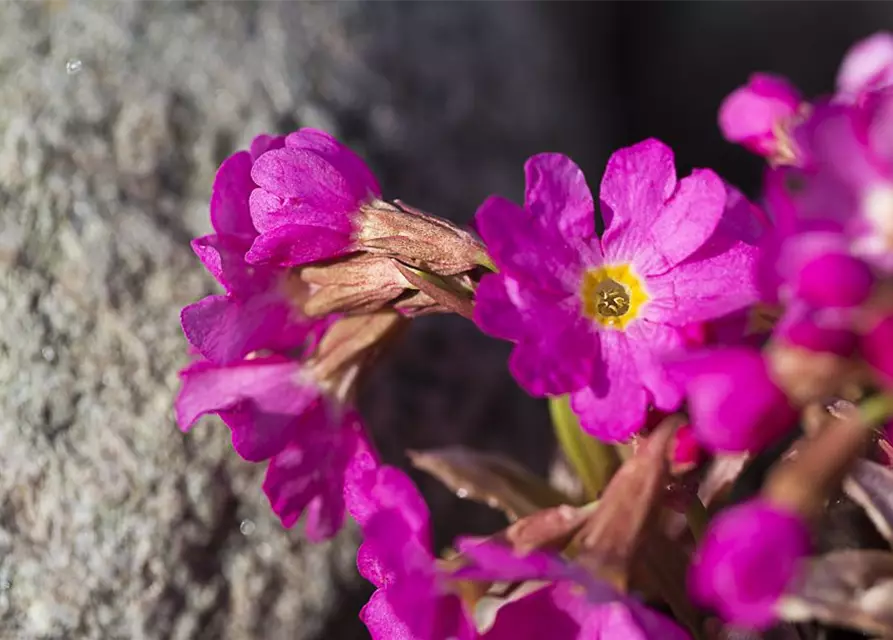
594, 461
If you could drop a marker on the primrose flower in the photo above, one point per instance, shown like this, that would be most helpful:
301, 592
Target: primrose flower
317, 200
279, 380
412, 599
760, 115
746, 560
594, 316
572, 606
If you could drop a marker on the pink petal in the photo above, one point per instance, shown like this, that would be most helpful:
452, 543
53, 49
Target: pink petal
652, 342
533, 617
372, 488
382, 621
263, 143
269, 212
229, 197
224, 257
678, 229
615, 407
502, 306
637, 182
308, 477
555, 343
530, 249
556, 362
867, 66
751, 114
261, 400
294, 245
225, 330
558, 195
348, 163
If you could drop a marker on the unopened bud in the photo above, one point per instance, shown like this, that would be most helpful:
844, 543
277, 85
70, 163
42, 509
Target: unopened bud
417, 238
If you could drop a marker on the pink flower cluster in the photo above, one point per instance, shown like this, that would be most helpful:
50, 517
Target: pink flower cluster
662, 295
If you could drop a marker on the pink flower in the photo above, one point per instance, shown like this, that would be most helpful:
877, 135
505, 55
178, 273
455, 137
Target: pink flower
593, 317
307, 195
412, 600
574, 606
866, 68
746, 560
760, 114
734, 404
255, 313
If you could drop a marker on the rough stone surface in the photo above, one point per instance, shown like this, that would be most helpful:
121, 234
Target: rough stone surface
113, 117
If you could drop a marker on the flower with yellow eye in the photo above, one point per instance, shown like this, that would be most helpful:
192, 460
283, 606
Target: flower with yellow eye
593, 316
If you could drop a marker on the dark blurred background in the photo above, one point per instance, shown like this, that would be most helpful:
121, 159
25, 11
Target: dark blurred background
113, 118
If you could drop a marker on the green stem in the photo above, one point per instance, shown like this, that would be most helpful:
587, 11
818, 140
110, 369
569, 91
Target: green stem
594, 461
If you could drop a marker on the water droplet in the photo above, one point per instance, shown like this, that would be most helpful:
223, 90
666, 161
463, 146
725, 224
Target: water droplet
48, 353
247, 527
73, 66
462, 493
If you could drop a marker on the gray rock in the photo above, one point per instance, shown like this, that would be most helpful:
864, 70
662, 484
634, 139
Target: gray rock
113, 118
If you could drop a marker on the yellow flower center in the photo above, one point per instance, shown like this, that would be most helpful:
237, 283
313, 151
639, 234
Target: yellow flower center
613, 295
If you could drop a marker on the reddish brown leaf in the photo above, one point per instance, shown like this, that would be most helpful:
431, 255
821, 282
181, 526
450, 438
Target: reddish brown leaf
870, 485
613, 535
491, 479
851, 588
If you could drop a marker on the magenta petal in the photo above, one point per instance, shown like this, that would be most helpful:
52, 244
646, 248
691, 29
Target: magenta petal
751, 114
302, 174
558, 195
263, 143
867, 66
225, 330
229, 197
502, 306
530, 249
733, 403
637, 182
493, 561
676, 231
651, 343
630, 620
747, 558
261, 400
382, 621
348, 163
704, 288
372, 488
558, 360
877, 349
294, 245
308, 477
615, 407
533, 617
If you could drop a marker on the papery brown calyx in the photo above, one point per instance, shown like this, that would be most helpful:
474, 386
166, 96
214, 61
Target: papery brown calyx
417, 238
